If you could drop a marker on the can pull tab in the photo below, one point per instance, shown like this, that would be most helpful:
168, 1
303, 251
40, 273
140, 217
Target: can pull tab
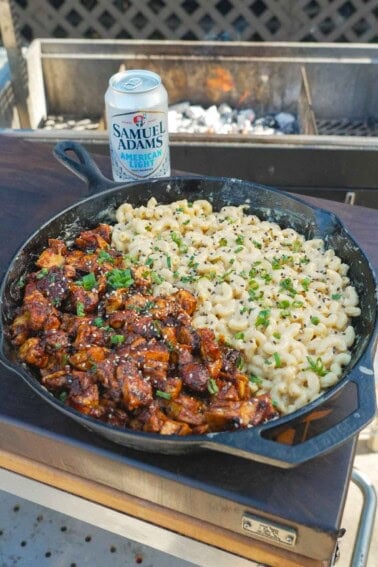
133, 83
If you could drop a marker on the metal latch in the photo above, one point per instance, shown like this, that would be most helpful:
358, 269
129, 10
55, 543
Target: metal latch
270, 531
350, 197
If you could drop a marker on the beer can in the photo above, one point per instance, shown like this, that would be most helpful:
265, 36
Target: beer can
137, 119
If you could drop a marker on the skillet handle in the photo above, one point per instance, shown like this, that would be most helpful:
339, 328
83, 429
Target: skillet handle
83, 166
260, 448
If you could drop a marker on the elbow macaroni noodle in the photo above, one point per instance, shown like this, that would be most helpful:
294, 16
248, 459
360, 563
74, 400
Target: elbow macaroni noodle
284, 302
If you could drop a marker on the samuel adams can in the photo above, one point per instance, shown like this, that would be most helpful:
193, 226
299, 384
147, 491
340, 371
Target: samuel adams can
137, 118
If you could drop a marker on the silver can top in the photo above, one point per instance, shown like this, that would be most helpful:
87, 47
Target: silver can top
135, 81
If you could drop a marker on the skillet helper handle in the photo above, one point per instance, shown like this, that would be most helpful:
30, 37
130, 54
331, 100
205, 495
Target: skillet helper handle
83, 166
287, 456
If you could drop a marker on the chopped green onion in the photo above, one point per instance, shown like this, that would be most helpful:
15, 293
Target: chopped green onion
118, 279
98, 322
262, 318
80, 312
189, 279
224, 276
296, 246
315, 320
164, 395
156, 279
277, 360
240, 363
192, 263
179, 241
240, 239
287, 285
257, 244
104, 256
252, 284
306, 283
316, 366
277, 263
255, 379
212, 386
336, 296
42, 273
131, 259
117, 339
277, 335
223, 242
244, 309
88, 282
149, 262
169, 262
239, 336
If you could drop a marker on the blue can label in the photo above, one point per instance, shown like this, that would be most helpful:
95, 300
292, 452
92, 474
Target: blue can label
139, 144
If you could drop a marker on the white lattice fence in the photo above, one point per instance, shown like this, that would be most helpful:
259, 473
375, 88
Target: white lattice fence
241, 20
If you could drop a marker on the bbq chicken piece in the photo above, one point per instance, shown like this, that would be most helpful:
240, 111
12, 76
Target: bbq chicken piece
81, 300
186, 300
52, 256
171, 427
132, 323
89, 335
141, 277
55, 340
115, 416
195, 376
87, 358
234, 415
20, 328
70, 323
33, 353
41, 313
187, 409
115, 300
56, 381
106, 375
83, 394
230, 359
171, 387
188, 336
210, 351
136, 391
168, 310
78, 260
53, 283
96, 238
150, 418
152, 359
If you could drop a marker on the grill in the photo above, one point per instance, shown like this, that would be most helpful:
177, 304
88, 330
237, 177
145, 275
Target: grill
330, 88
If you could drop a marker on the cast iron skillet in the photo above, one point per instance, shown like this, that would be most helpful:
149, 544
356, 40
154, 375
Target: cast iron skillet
257, 443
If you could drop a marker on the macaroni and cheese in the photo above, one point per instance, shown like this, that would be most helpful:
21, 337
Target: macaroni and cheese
285, 302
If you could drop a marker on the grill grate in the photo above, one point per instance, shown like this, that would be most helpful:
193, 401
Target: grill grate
345, 127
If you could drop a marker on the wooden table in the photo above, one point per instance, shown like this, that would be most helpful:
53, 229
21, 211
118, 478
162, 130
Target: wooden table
39, 443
